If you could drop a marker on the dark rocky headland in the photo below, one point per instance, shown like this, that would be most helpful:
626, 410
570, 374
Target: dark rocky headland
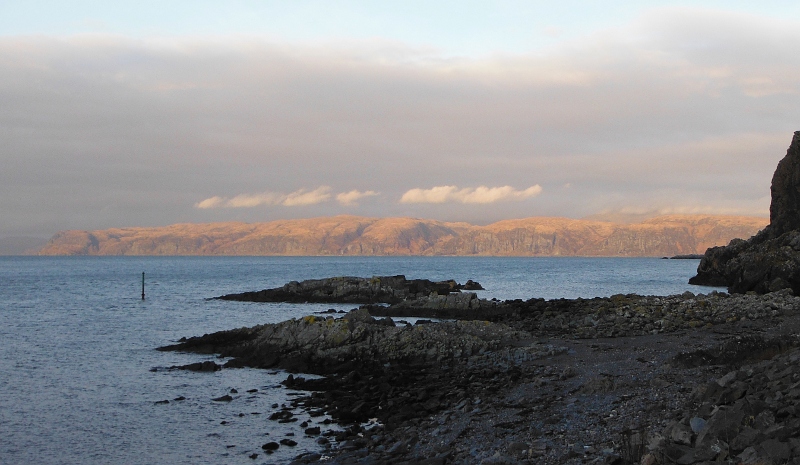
685, 379
770, 260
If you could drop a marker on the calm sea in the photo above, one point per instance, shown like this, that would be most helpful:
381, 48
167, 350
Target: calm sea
77, 345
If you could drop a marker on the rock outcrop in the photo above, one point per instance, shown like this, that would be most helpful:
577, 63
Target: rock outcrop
784, 211
349, 289
770, 260
325, 345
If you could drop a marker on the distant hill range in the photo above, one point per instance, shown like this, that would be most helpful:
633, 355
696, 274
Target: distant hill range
352, 235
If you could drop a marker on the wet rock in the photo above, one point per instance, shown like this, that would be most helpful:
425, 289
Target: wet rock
282, 415
206, 366
225, 398
271, 446
471, 285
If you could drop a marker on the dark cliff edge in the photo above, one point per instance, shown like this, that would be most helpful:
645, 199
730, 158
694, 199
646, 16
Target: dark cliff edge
770, 260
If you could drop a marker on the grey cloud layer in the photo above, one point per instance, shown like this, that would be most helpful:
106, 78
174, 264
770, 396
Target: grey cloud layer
684, 110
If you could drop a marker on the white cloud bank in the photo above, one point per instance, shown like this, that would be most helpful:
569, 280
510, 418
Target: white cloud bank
297, 198
352, 197
481, 194
434, 195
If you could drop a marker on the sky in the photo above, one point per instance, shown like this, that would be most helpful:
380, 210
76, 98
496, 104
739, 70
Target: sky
149, 113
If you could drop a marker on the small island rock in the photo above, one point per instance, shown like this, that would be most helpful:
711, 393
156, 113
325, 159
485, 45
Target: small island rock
350, 289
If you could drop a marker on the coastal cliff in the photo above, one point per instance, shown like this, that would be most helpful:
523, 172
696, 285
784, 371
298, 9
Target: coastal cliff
352, 235
770, 260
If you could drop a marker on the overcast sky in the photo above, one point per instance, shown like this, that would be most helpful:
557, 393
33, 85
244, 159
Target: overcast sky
198, 111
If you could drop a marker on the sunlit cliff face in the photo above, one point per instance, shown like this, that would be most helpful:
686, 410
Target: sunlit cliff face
353, 235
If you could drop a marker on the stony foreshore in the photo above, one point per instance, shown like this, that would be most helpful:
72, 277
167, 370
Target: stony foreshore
618, 315
627, 379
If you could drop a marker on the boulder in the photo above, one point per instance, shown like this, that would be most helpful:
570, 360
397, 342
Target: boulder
206, 366
471, 285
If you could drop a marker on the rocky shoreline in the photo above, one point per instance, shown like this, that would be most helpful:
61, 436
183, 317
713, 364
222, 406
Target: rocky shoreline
627, 379
608, 380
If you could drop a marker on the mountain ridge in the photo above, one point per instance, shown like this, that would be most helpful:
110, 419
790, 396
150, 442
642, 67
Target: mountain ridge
665, 235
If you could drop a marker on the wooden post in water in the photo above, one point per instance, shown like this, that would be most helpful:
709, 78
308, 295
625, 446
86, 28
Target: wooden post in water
142, 285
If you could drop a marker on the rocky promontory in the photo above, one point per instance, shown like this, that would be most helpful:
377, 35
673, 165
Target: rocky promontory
770, 260
328, 345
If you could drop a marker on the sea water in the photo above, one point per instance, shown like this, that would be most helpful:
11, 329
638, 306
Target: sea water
82, 383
